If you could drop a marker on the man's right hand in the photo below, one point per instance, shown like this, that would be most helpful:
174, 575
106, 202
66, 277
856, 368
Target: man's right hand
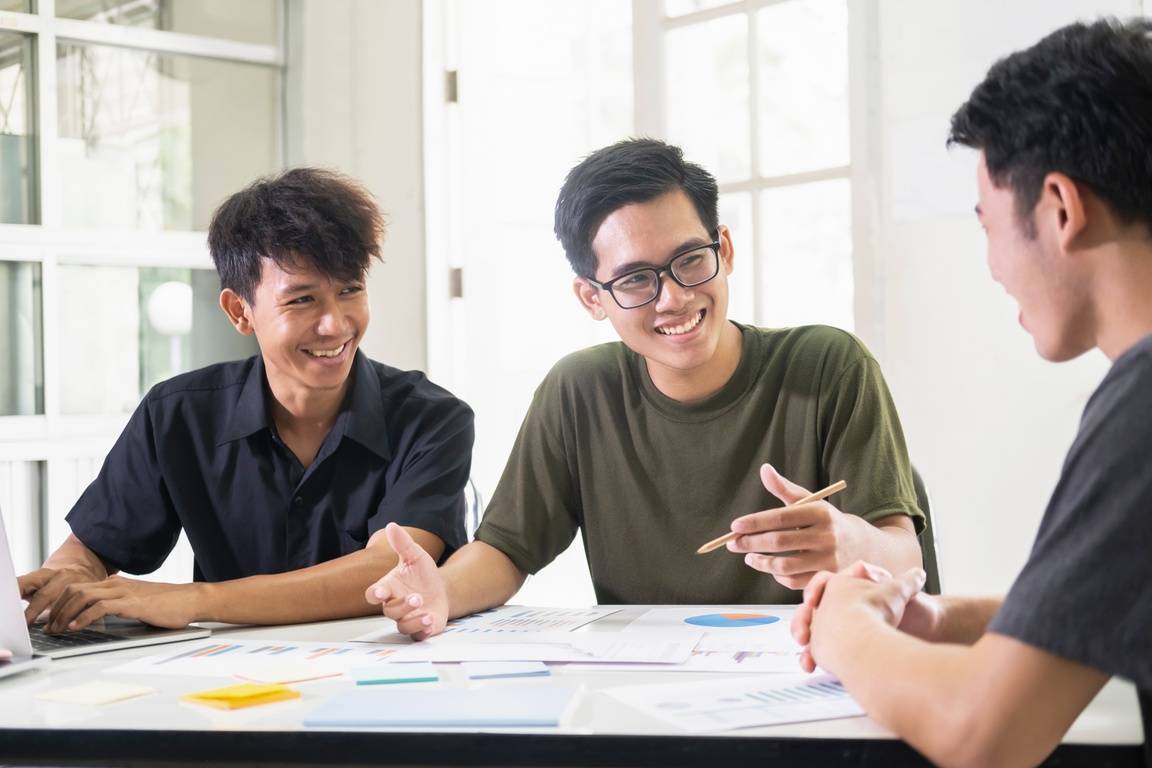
43, 587
412, 593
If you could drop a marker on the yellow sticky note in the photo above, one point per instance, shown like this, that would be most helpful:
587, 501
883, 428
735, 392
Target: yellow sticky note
242, 695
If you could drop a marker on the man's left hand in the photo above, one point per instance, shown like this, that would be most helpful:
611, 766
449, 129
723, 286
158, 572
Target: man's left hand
162, 605
794, 543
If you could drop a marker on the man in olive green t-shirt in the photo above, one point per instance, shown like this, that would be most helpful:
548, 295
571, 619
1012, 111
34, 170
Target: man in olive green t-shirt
650, 446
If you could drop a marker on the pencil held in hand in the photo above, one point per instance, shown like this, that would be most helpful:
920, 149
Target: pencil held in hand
823, 493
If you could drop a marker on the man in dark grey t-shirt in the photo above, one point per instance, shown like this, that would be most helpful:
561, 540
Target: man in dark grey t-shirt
1065, 190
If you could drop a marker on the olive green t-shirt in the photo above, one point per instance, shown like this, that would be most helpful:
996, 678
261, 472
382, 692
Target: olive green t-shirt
648, 479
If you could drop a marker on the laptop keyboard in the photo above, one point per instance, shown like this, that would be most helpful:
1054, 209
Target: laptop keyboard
42, 641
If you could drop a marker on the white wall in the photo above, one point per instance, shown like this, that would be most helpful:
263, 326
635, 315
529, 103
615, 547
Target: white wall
355, 104
988, 421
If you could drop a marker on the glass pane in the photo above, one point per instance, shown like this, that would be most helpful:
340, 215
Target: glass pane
150, 141
736, 214
803, 86
17, 143
123, 329
22, 485
707, 95
806, 255
250, 21
21, 346
15, 5
683, 7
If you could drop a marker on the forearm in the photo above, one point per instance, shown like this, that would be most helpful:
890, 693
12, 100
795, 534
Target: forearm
888, 544
328, 591
479, 576
964, 620
74, 554
913, 688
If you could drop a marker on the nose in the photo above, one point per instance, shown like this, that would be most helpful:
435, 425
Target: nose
332, 320
673, 296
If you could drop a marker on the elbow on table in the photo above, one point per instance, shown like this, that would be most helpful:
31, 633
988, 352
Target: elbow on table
981, 740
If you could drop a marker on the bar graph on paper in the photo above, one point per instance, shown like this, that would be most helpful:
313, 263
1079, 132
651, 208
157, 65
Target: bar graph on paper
516, 618
725, 705
260, 660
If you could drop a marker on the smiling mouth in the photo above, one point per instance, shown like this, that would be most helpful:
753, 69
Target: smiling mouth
335, 352
685, 327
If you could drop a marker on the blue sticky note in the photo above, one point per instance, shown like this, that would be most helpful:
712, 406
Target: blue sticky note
389, 674
532, 706
488, 670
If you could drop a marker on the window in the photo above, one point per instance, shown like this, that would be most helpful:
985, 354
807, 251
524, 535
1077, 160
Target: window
123, 124
757, 92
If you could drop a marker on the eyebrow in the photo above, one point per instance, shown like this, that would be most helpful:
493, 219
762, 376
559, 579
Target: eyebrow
292, 288
690, 244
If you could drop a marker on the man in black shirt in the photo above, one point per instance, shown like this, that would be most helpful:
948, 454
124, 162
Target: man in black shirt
1065, 190
284, 468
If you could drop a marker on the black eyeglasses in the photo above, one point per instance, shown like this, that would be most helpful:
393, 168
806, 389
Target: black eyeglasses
689, 268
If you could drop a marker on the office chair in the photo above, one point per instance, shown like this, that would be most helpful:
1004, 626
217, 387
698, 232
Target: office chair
927, 536
473, 508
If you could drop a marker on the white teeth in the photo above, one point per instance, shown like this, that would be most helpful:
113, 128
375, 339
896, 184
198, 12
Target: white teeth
327, 352
676, 330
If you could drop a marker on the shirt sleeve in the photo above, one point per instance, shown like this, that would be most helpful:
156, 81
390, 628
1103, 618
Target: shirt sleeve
534, 512
428, 492
1084, 592
864, 445
126, 515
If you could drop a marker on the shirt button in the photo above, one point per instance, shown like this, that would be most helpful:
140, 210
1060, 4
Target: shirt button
298, 501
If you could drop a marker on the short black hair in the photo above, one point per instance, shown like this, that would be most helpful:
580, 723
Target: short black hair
1079, 102
629, 171
303, 216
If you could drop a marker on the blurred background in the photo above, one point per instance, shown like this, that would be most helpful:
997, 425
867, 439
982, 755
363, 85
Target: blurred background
124, 123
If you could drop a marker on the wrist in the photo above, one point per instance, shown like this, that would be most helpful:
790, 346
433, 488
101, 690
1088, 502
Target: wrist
203, 601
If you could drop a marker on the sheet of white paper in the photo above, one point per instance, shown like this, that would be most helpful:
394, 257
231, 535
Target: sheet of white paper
259, 660
487, 670
499, 623
96, 692
736, 638
708, 706
578, 647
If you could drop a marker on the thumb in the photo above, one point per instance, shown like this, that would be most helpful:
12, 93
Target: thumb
402, 543
902, 590
781, 487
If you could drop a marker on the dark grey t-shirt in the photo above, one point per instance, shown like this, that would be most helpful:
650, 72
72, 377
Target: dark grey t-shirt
1086, 591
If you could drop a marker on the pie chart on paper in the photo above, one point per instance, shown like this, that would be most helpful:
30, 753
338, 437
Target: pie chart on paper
730, 620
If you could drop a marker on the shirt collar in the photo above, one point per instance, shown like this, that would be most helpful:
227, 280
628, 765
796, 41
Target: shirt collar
365, 422
250, 412
361, 415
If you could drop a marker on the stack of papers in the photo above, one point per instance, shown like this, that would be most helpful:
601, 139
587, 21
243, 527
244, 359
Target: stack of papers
527, 706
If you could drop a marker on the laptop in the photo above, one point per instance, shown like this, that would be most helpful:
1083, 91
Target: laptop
109, 634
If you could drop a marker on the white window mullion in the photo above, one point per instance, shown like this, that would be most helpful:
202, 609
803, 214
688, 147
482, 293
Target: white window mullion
48, 186
649, 84
50, 335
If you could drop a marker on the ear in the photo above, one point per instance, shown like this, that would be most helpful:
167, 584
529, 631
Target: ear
238, 311
589, 297
727, 250
1061, 208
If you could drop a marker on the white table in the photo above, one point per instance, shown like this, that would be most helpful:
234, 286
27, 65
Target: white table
159, 728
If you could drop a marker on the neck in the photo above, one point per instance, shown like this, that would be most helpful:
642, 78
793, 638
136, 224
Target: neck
296, 409
1123, 311
699, 383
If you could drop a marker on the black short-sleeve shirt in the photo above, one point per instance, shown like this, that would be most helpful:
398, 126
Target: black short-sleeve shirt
201, 454
1086, 591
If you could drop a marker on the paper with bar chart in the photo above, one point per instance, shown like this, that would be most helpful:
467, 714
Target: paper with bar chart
265, 662
706, 706
497, 623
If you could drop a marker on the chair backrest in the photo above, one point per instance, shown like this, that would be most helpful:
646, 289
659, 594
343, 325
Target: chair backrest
927, 536
473, 508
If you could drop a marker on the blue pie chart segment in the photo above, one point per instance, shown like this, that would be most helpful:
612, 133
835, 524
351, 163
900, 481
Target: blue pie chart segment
729, 620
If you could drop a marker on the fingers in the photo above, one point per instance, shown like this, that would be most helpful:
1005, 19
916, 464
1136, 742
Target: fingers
897, 593
47, 595
781, 519
781, 487
788, 565
96, 611
378, 592
781, 541
5, 654
403, 544
30, 583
